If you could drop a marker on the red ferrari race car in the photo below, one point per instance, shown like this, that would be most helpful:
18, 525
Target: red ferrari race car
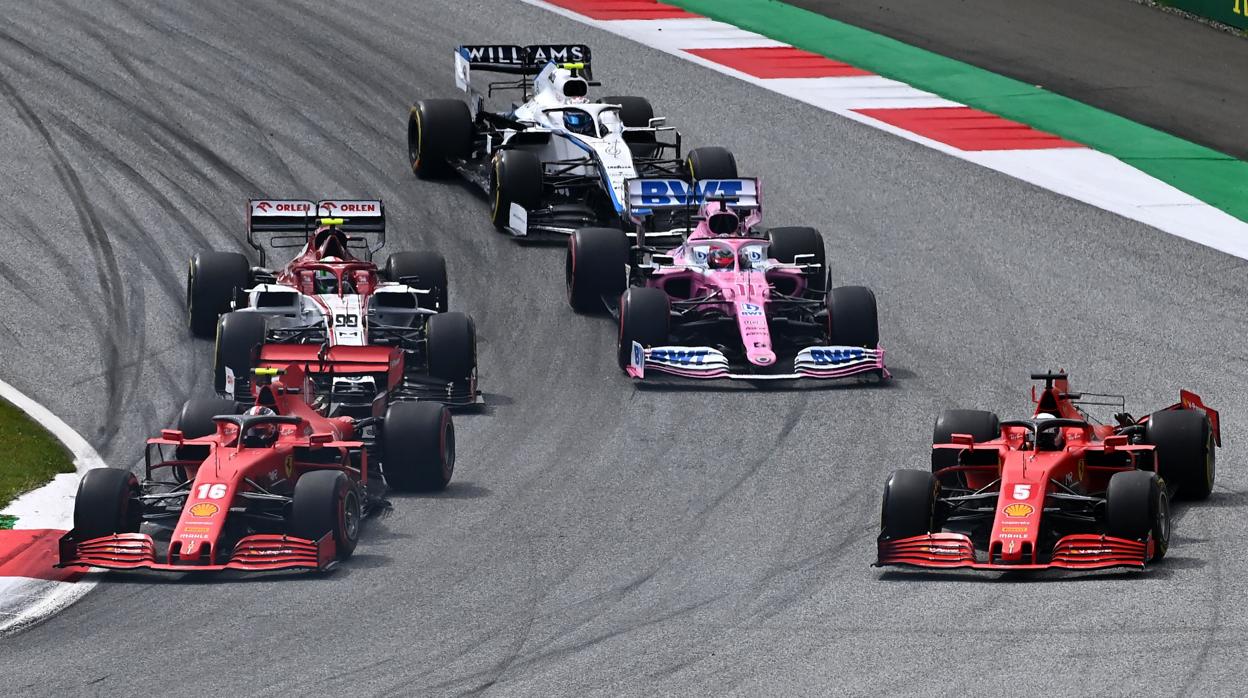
1055, 490
331, 303
278, 487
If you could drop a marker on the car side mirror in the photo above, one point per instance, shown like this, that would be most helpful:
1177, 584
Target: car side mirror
1115, 441
962, 439
319, 439
662, 259
657, 121
172, 435
807, 258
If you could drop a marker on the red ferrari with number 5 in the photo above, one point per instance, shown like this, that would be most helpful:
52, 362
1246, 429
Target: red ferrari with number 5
1055, 490
281, 486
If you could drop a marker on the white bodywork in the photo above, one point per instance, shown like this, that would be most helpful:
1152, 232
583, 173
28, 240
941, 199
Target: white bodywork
604, 147
346, 317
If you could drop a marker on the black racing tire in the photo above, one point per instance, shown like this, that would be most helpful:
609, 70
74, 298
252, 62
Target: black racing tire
787, 243
710, 162
238, 334
326, 501
1137, 506
451, 346
429, 270
418, 446
211, 281
596, 267
438, 130
852, 318
635, 112
645, 318
195, 421
515, 178
909, 505
107, 503
983, 425
1186, 457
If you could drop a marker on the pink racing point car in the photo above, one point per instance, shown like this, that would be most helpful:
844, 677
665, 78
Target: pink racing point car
732, 300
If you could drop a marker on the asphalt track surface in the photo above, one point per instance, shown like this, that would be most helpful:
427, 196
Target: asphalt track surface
1171, 73
598, 539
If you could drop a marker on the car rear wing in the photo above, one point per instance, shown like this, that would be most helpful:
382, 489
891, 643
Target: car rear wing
284, 223
1191, 401
676, 201
525, 61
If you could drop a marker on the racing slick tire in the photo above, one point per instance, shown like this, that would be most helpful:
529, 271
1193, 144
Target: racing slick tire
852, 319
909, 505
983, 425
438, 130
787, 243
210, 283
1136, 506
107, 503
451, 346
326, 501
237, 337
645, 318
515, 178
429, 270
418, 446
635, 112
596, 267
1186, 457
710, 162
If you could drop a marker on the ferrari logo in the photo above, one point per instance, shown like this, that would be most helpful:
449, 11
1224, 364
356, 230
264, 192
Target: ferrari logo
290, 465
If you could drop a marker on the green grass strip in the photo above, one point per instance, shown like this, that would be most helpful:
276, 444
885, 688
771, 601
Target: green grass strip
6, 522
1215, 178
30, 455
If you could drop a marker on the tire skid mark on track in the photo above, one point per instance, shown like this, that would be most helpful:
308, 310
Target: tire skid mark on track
115, 340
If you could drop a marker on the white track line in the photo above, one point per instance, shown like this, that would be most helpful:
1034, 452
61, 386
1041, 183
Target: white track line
1086, 175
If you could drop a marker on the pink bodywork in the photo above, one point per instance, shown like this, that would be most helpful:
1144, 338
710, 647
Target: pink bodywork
746, 287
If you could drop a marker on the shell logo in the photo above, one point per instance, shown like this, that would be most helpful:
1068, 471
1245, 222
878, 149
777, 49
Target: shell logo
1019, 510
204, 509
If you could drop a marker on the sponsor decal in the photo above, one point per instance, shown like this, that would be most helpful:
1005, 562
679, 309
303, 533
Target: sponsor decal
680, 357
195, 536
283, 206
674, 192
832, 357
1015, 529
751, 309
1019, 511
525, 55
638, 359
196, 528
204, 510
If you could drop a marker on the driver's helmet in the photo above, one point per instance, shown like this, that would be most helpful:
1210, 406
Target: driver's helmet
720, 258
260, 435
324, 280
723, 223
579, 122
1049, 439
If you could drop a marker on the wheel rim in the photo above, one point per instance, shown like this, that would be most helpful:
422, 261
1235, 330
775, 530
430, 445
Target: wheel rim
1162, 522
350, 515
448, 447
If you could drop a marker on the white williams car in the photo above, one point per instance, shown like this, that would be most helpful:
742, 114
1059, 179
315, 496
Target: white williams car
556, 161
